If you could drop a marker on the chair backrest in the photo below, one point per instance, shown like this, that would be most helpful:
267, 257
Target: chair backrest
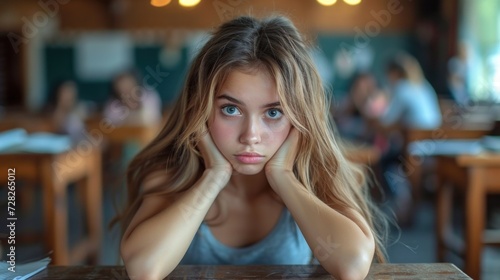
495, 131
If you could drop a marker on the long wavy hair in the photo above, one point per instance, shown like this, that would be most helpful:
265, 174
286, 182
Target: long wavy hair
246, 44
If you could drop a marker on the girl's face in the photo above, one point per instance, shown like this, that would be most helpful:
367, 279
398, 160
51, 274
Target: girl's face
247, 123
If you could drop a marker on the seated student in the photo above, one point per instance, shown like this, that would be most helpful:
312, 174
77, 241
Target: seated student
411, 103
132, 103
351, 122
247, 169
65, 116
457, 75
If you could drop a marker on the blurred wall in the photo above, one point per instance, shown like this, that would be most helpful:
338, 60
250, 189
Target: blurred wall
139, 14
367, 32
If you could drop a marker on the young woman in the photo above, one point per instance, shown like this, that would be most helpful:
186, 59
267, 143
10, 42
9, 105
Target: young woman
247, 169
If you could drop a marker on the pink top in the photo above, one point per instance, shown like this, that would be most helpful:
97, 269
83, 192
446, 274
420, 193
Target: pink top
148, 112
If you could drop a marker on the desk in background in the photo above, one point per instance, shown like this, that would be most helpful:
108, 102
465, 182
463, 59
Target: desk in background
54, 172
363, 154
28, 121
142, 134
439, 271
477, 176
413, 165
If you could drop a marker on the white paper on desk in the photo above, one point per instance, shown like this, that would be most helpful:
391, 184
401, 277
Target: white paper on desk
41, 142
491, 143
445, 147
12, 138
23, 271
46, 143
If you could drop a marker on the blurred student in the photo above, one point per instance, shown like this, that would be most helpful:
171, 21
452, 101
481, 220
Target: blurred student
131, 103
350, 119
63, 109
412, 102
457, 76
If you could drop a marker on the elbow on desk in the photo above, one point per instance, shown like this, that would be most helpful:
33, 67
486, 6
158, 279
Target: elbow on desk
356, 268
140, 267
348, 273
146, 270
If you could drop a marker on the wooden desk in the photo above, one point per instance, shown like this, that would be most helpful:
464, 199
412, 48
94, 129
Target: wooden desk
413, 165
30, 122
55, 172
143, 134
378, 271
477, 176
363, 154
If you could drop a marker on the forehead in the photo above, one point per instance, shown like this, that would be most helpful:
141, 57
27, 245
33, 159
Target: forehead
250, 85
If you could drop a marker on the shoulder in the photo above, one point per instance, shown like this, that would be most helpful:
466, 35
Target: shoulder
152, 201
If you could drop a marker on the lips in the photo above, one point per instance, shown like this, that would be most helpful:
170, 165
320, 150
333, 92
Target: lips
250, 158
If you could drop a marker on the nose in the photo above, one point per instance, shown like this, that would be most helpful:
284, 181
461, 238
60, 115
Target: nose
251, 132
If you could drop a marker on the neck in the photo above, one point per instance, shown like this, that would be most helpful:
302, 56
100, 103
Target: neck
248, 187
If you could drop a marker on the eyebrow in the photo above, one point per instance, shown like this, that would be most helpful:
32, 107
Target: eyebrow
232, 99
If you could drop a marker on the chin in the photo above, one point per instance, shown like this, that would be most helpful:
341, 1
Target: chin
248, 169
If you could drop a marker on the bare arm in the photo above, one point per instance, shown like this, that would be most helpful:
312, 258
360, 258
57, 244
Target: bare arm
161, 231
340, 240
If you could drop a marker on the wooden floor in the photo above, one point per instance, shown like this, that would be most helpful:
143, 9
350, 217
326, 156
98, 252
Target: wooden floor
410, 245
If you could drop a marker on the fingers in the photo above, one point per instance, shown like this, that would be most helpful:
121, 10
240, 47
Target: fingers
212, 156
293, 137
284, 158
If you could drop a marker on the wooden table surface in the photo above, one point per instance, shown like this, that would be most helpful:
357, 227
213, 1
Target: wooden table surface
141, 133
378, 271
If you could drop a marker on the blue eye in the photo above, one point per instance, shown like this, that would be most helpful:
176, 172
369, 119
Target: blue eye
274, 113
230, 110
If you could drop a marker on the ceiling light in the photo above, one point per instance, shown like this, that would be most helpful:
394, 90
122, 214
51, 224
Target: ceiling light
160, 3
189, 3
352, 2
327, 2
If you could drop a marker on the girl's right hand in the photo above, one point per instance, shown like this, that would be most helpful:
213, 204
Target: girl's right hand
213, 158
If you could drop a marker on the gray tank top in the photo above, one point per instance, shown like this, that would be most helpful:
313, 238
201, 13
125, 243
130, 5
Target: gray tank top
285, 245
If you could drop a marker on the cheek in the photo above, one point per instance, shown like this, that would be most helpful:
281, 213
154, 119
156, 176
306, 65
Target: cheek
221, 132
279, 132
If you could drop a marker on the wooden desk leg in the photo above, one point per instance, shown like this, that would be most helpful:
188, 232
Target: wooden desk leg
444, 199
93, 205
475, 204
414, 173
55, 214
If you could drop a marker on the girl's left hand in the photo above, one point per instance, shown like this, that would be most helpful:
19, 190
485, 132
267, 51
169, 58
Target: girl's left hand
283, 160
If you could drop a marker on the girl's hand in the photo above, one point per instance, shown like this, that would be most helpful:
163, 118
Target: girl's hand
282, 161
213, 158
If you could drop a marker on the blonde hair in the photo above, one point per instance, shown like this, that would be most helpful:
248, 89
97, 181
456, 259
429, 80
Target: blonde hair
246, 44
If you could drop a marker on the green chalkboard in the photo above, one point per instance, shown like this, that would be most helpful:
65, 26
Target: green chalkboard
60, 64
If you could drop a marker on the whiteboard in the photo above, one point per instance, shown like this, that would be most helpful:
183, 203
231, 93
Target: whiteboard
100, 56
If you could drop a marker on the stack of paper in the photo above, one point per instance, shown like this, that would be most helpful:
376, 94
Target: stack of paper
446, 147
491, 143
19, 141
22, 271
